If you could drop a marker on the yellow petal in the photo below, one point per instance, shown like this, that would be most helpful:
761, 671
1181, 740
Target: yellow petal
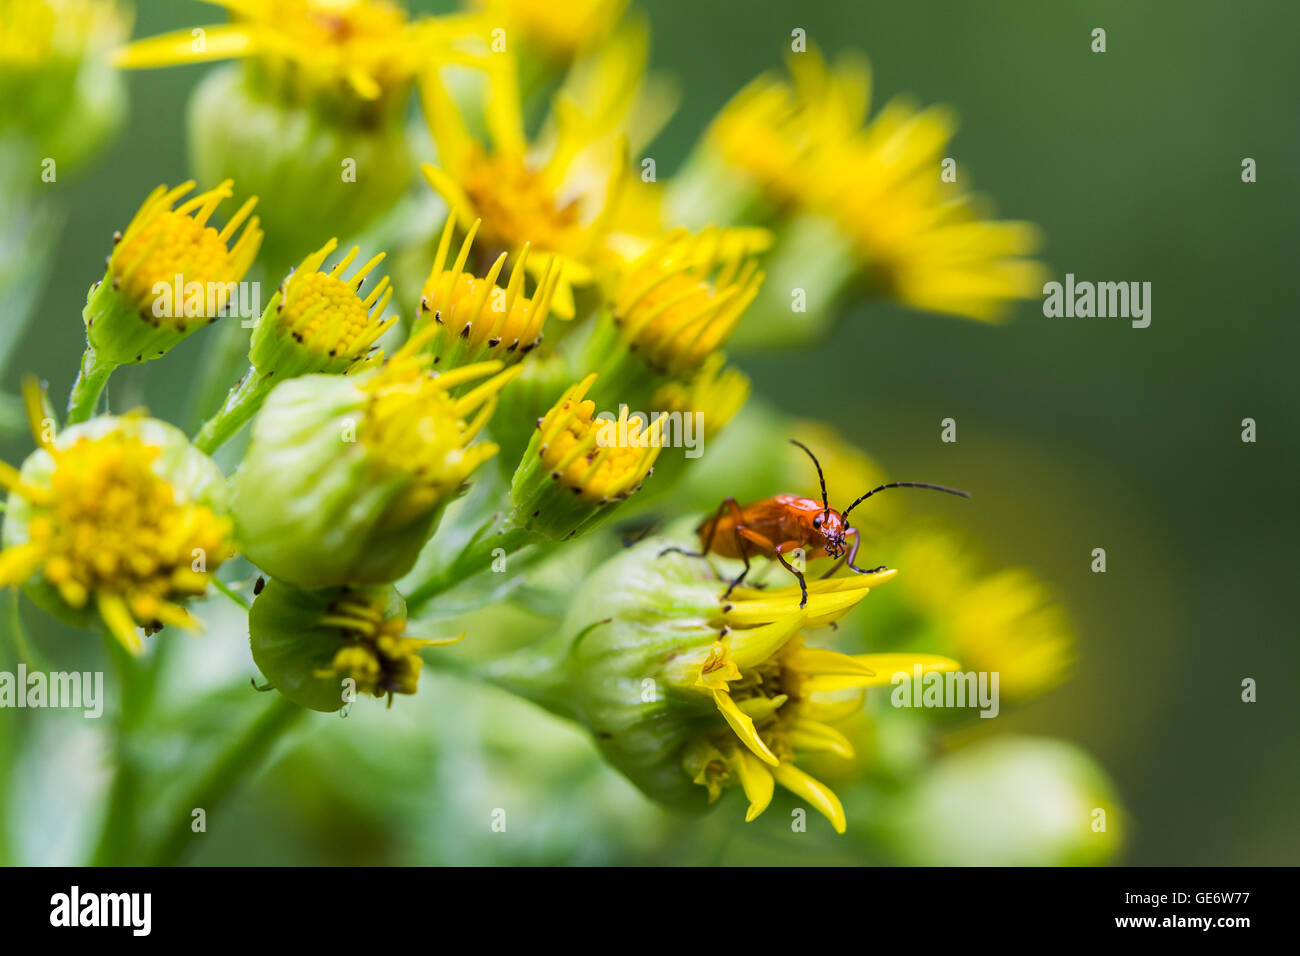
760, 708
756, 780
19, 563
219, 43
751, 646
819, 660
113, 611
743, 726
819, 738
821, 797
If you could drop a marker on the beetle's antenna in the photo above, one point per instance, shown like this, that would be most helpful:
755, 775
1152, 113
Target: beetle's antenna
820, 477
904, 484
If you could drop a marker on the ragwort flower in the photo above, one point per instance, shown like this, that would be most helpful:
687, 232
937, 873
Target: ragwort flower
170, 273
317, 321
475, 318
119, 521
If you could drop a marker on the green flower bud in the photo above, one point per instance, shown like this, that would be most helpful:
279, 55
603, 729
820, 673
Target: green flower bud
116, 522
322, 648
346, 476
316, 173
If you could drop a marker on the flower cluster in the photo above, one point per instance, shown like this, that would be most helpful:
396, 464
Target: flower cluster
553, 291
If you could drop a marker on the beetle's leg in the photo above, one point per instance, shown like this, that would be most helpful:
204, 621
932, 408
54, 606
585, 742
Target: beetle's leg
744, 537
713, 528
853, 553
780, 550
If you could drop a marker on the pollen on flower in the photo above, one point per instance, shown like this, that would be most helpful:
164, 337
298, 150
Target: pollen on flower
576, 449
476, 317
108, 529
177, 246
325, 310
681, 299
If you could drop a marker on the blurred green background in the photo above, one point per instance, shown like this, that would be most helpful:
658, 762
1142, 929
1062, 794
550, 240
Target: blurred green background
1073, 433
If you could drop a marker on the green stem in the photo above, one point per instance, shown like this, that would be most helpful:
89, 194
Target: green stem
233, 764
477, 556
241, 404
88, 387
117, 829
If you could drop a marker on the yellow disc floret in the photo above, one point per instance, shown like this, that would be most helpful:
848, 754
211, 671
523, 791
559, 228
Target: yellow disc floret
177, 248
326, 312
476, 317
108, 531
590, 456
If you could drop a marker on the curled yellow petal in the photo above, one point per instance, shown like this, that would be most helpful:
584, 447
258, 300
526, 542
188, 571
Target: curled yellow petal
821, 797
744, 727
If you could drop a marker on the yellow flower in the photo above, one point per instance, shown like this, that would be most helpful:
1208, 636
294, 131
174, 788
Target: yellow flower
475, 318
772, 130
96, 518
569, 436
170, 273
681, 299
1005, 622
317, 322
59, 98
322, 647
780, 698
367, 47
578, 468
346, 477
162, 243
560, 32
34, 32
561, 193
325, 312
414, 427
919, 239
